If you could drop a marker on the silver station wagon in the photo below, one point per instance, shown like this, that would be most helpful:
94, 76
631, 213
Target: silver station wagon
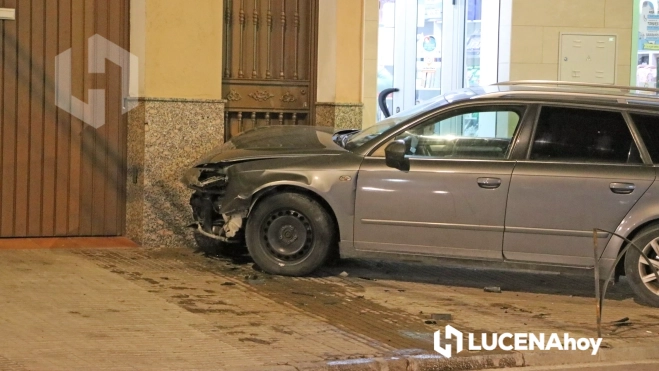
513, 175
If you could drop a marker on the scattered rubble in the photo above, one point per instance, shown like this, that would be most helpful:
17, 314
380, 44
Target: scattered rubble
441, 316
303, 293
622, 322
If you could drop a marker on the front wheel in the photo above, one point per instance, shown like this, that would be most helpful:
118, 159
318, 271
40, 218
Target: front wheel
638, 272
290, 234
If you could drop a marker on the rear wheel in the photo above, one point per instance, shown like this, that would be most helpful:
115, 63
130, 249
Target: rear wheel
290, 234
639, 272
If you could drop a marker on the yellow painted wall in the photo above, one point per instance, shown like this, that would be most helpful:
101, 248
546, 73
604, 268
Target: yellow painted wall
340, 51
370, 86
179, 43
180, 49
347, 55
327, 51
536, 28
349, 36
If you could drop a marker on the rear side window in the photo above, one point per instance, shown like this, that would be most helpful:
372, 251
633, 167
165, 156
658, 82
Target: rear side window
583, 135
648, 126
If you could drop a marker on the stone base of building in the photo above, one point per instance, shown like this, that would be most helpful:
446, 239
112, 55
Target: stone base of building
164, 137
340, 115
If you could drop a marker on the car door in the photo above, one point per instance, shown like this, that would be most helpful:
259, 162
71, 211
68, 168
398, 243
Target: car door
583, 171
452, 200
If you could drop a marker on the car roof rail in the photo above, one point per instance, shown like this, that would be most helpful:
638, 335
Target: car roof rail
623, 99
628, 89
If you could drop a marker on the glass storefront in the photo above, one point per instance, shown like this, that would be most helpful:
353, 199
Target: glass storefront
647, 43
428, 47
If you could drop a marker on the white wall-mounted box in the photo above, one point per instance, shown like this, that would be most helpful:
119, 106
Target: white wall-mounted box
7, 14
589, 58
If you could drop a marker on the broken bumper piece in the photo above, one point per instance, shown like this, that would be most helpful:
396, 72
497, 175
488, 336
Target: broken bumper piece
200, 229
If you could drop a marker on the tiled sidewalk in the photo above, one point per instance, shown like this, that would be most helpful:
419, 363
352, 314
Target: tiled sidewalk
172, 309
62, 311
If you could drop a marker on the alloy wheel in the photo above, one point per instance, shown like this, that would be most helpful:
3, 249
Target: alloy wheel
647, 274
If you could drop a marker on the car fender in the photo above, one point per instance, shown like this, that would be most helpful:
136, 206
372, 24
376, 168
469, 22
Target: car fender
335, 187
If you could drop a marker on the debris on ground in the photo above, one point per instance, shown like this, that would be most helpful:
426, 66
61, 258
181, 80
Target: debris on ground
494, 289
367, 279
622, 322
303, 294
257, 268
344, 274
441, 316
252, 277
228, 284
430, 322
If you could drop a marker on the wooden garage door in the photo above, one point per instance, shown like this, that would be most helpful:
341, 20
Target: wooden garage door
60, 176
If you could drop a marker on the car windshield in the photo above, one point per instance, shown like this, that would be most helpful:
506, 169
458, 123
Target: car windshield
378, 129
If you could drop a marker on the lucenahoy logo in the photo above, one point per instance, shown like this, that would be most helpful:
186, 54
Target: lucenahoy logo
519, 341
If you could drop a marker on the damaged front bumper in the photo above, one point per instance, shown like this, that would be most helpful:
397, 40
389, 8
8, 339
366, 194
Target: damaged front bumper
208, 205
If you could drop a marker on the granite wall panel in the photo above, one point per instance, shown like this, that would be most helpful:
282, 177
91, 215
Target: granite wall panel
165, 136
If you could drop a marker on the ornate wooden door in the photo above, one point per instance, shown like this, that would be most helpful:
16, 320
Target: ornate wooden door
269, 63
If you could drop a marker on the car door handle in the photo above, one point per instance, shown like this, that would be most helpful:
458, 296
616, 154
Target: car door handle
623, 188
489, 183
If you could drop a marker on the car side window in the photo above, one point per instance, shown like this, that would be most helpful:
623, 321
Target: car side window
583, 135
484, 133
648, 126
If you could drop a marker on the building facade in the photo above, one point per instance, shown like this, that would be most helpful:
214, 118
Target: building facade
201, 72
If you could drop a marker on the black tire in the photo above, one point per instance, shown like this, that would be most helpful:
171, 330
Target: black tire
636, 267
212, 246
290, 234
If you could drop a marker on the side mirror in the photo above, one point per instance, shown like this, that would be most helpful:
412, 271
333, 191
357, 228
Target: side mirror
395, 156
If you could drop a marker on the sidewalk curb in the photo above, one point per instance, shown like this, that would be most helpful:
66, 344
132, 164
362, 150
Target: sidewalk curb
435, 362
615, 354
423, 362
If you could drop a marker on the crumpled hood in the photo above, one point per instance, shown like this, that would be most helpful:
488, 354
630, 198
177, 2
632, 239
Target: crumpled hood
274, 142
